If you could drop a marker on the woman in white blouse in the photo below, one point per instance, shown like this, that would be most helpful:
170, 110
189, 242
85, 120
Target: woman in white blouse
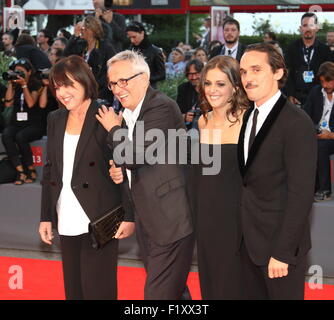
76, 184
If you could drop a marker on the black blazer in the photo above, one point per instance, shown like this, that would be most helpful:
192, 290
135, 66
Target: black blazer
220, 50
35, 55
314, 107
278, 185
91, 182
158, 190
187, 96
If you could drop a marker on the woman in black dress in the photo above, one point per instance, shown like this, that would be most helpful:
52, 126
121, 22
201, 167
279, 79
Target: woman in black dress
216, 197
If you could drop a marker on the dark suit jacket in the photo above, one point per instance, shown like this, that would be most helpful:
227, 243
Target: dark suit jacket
296, 64
118, 34
36, 56
278, 185
187, 96
314, 107
221, 50
158, 190
91, 182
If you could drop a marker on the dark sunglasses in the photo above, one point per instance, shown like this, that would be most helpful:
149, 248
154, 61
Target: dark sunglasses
19, 62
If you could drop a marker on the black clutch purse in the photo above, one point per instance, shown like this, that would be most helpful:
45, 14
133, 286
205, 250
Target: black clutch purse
104, 228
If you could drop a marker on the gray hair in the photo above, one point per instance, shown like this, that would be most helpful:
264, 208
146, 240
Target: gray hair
137, 59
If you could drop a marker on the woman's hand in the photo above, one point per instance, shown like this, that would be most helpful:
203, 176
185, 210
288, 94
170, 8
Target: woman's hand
126, 229
45, 231
20, 81
77, 29
108, 118
45, 82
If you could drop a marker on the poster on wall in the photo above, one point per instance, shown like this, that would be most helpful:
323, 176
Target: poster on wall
218, 15
88, 4
55, 4
13, 18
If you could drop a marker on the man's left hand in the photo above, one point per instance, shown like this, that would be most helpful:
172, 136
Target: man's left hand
126, 229
325, 134
277, 269
108, 118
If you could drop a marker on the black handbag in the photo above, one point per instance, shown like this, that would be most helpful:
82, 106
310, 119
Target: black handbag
103, 229
7, 171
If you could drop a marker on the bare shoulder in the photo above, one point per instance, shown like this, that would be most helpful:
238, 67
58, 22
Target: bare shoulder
201, 122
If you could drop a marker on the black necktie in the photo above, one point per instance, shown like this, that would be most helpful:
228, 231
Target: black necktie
253, 131
229, 52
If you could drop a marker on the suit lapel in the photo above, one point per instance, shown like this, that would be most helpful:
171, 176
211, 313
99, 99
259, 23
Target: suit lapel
239, 52
148, 95
86, 132
241, 156
222, 50
59, 139
268, 123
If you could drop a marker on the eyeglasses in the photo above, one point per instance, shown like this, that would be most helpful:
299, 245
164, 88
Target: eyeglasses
122, 83
192, 74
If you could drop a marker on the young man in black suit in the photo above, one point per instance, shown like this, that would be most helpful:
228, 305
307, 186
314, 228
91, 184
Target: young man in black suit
319, 106
277, 158
232, 47
162, 212
303, 58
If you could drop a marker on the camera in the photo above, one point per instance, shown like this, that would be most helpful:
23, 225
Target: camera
13, 75
108, 4
42, 74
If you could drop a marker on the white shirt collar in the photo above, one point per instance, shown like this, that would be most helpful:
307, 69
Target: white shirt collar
324, 93
269, 104
132, 116
233, 49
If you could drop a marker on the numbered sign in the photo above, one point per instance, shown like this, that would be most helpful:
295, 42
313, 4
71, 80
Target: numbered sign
37, 155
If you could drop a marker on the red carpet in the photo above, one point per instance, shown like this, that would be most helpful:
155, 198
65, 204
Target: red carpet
42, 280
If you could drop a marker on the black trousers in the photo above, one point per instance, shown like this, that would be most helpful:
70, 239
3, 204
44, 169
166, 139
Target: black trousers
167, 267
325, 150
16, 141
258, 286
89, 274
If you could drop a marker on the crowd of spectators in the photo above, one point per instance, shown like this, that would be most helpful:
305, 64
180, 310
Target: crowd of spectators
100, 36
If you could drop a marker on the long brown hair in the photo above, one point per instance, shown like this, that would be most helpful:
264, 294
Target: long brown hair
239, 100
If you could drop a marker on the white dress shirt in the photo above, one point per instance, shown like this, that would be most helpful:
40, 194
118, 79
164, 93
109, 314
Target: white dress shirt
130, 118
234, 50
264, 110
328, 104
72, 219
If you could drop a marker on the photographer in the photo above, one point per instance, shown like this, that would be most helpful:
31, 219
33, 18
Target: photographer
47, 102
187, 94
319, 106
89, 42
25, 124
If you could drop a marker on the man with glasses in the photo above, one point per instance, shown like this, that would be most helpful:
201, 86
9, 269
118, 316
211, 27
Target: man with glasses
163, 218
187, 93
